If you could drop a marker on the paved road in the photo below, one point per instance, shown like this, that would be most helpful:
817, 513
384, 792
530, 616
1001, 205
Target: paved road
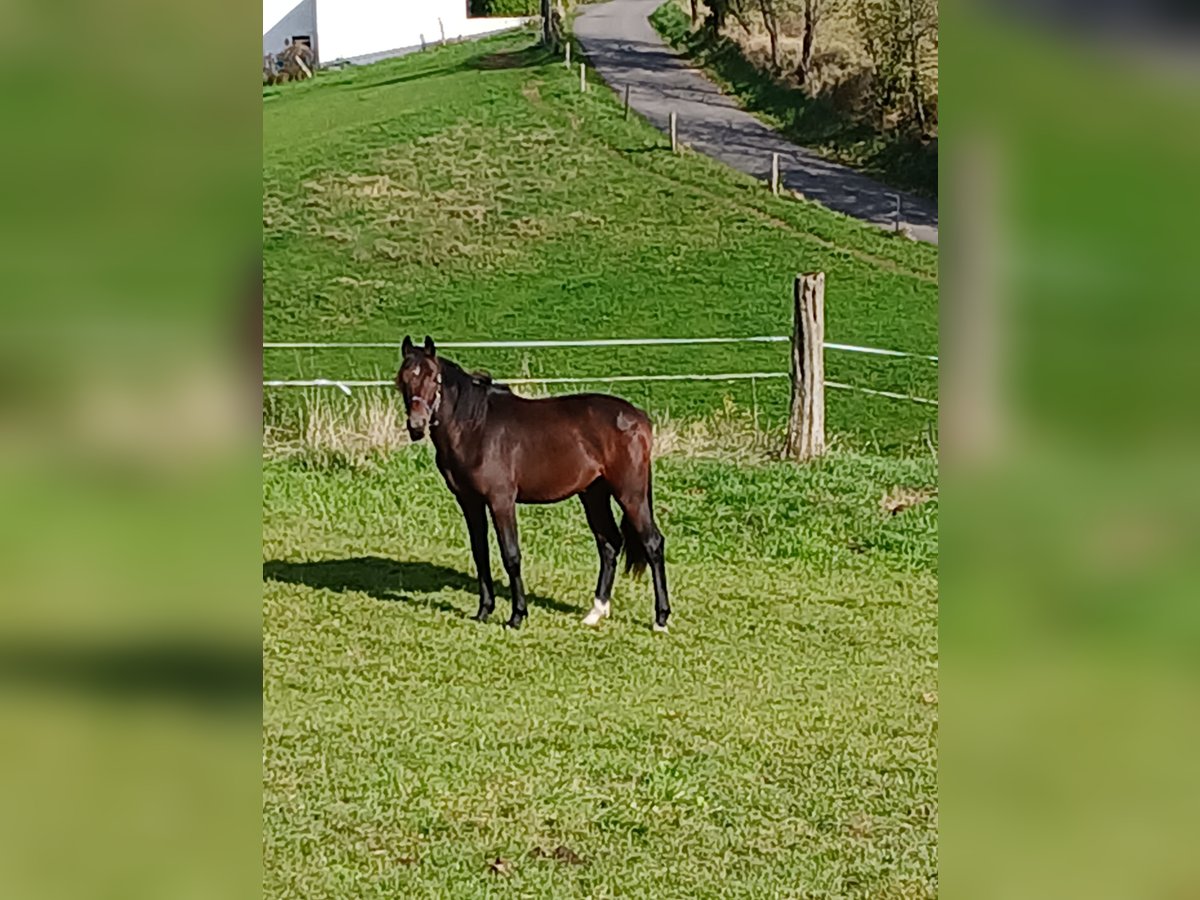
626, 50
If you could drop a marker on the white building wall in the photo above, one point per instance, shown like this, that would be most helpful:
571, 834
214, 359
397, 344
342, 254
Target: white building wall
284, 19
351, 28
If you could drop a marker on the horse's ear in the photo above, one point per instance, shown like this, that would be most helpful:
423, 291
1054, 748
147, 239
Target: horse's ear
406, 347
429, 348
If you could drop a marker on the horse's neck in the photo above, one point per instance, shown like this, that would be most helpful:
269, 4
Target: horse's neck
447, 441
453, 440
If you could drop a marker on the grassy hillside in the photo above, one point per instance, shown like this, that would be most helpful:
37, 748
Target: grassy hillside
780, 741
472, 192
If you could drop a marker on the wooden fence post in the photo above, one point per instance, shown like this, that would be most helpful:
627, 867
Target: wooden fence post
567, 62
775, 174
806, 424
582, 77
674, 137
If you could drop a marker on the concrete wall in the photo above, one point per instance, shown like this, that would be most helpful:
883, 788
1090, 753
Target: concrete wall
352, 28
286, 18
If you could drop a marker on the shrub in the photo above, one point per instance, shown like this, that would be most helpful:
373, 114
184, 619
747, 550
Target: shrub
500, 8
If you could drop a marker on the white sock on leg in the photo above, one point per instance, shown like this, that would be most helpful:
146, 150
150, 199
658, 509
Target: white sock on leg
600, 609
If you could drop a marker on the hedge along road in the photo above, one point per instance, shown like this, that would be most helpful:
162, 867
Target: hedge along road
624, 48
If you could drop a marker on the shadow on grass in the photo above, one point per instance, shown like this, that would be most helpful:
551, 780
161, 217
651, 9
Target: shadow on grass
420, 75
526, 58
529, 57
392, 581
191, 670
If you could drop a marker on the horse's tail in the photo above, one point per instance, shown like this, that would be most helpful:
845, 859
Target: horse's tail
636, 557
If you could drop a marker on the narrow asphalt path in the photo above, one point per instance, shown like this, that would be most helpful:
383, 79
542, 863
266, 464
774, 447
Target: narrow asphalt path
626, 50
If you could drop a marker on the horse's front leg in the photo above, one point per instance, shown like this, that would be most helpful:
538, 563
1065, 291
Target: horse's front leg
504, 517
475, 512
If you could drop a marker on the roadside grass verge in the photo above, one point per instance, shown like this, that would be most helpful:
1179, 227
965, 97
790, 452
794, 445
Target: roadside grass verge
898, 159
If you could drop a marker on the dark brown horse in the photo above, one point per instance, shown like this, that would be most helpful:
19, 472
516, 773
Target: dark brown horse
496, 450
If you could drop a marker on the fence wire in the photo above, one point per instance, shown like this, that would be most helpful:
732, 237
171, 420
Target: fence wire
597, 342
345, 385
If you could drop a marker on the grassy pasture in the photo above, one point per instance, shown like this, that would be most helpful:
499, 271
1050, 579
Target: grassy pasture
781, 741
474, 193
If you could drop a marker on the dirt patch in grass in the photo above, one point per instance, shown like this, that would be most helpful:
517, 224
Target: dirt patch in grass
499, 866
513, 60
898, 499
531, 92
561, 853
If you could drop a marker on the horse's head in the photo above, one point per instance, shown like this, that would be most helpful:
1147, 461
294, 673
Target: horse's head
420, 383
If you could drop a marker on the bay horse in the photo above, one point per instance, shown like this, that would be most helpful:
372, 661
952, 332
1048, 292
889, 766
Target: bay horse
495, 450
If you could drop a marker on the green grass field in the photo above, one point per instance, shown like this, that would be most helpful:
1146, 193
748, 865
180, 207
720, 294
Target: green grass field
781, 740
473, 193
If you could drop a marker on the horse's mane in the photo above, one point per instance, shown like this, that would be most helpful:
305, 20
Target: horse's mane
472, 390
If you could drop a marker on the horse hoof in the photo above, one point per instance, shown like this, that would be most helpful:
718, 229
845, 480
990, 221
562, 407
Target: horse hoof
481, 616
514, 624
599, 611
661, 629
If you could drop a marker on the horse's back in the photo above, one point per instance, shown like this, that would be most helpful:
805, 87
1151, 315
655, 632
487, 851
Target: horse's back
565, 443
595, 417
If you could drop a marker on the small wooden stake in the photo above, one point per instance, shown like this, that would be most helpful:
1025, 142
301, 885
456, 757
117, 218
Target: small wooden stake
442, 28
582, 78
567, 62
775, 174
896, 220
674, 137
627, 101
806, 424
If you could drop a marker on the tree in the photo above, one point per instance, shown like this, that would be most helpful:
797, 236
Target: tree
879, 24
920, 29
769, 9
898, 36
814, 12
720, 10
715, 20
552, 17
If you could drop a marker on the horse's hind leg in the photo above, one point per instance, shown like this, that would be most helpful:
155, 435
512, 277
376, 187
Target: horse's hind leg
597, 504
638, 507
504, 517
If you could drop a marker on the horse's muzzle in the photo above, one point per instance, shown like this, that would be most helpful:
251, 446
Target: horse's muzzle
419, 416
